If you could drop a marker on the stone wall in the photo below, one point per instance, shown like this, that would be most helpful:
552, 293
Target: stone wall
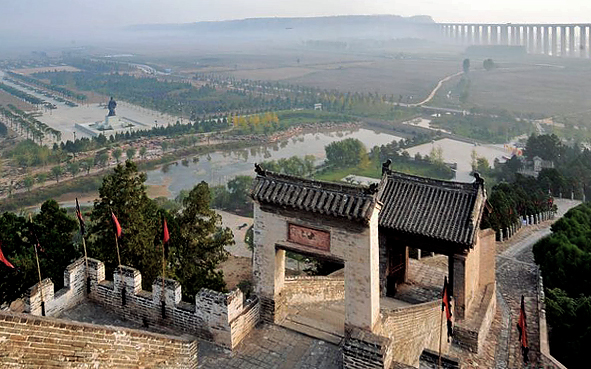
412, 329
303, 290
353, 243
546, 359
73, 292
219, 317
365, 350
471, 333
28, 341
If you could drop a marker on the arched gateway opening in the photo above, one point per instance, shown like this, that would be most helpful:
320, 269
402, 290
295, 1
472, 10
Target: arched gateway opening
382, 307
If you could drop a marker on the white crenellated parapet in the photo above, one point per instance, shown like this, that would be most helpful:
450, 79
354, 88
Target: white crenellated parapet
223, 318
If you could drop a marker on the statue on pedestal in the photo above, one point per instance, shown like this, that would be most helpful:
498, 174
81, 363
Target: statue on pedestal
112, 105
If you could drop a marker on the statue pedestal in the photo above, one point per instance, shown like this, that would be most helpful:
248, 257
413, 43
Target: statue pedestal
112, 120
109, 123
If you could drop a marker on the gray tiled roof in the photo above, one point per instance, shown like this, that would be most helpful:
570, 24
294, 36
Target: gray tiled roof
435, 209
339, 200
442, 210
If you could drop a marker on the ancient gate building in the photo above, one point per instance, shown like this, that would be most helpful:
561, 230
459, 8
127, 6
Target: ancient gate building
388, 317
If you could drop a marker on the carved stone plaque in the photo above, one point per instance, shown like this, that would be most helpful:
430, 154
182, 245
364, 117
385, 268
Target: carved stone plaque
309, 237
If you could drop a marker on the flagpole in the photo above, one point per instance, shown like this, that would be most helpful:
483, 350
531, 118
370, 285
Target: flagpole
80, 226
117, 246
440, 337
163, 272
120, 270
39, 272
86, 262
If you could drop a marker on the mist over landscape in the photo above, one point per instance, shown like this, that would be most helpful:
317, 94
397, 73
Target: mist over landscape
220, 119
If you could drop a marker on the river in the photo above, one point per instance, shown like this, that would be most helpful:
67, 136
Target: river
220, 166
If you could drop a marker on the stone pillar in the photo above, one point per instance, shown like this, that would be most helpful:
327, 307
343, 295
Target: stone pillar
546, 40
583, 43
504, 35
518, 36
362, 280
268, 265
562, 41
463, 34
571, 41
539, 40
494, 31
554, 41
485, 33
476, 40
513, 35
530, 39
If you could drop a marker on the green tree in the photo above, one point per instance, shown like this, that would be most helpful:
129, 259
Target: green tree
74, 168
29, 181
239, 188
41, 177
123, 192
130, 153
346, 153
102, 158
143, 151
198, 242
488, 64
466, 65
57, 171
547, 147
117, 154
54, 230
87, 164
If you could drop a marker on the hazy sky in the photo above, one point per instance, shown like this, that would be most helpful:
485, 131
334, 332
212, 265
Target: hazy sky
46, 15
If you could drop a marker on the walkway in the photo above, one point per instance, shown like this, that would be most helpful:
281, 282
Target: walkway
517, 275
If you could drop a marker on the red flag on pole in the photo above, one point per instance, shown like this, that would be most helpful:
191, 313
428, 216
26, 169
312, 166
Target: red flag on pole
165, 234
522, 328
117, 225
446, 306
3, 259
165, 238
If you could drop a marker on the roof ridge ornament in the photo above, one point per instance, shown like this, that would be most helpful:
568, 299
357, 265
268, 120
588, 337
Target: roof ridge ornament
478, 180
259, 170
386, 167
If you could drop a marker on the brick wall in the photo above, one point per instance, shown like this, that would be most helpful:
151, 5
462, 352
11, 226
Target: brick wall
213, 316
546, 359
471, 333
412, 329
73, 292
302, 290
28, 341
365, 350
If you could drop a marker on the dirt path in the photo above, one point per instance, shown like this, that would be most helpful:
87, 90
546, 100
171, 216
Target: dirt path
434, 92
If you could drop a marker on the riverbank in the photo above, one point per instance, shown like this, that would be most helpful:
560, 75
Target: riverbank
86, 186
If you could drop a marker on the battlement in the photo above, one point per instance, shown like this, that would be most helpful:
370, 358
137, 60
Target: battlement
219, 317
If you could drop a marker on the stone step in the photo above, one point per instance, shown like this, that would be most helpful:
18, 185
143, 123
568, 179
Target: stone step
311, 331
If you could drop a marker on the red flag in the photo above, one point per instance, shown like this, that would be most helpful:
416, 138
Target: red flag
165, 234
79, 216
446, 306
3, 259
522, 328
117, 225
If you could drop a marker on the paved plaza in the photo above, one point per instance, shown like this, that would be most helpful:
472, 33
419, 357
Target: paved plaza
65, 117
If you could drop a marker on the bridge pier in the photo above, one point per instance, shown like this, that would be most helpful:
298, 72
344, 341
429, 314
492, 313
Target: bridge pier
571, 41
583, 42
554, 41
